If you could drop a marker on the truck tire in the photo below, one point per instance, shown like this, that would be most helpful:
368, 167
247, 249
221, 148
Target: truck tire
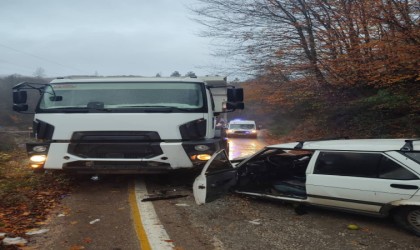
408, 217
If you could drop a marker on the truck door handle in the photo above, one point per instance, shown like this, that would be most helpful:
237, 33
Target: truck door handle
403, 186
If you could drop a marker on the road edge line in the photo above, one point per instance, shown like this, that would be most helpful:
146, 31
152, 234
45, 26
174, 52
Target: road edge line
138, 225
154, 230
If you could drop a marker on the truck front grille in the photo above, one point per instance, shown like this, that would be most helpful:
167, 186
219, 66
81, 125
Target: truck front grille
117, 145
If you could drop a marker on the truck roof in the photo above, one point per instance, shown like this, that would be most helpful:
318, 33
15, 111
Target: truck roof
210, 80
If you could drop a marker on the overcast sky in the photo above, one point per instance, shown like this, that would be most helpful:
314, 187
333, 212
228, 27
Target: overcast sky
107, 37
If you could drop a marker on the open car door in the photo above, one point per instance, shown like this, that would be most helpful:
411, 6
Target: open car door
215, 180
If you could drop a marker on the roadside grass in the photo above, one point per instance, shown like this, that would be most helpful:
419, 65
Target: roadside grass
26, 197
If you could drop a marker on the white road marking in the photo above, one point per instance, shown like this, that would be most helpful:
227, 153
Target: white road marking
156, 233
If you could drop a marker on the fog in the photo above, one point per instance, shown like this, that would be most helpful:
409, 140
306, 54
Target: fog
103, 37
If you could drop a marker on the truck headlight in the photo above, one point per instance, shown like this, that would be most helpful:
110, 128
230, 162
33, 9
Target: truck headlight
229, 131
201, 157
38, 158
204, 157
253, 131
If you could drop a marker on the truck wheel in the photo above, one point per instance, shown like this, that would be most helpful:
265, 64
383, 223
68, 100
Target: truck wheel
408, 217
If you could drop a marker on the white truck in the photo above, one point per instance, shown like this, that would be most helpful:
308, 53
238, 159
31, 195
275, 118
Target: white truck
126, 124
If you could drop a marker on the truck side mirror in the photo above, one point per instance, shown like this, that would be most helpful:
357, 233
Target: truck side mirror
235, 95
233, 105
20, 107
19, 97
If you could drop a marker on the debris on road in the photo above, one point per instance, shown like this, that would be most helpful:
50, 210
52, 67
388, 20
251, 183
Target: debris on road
94, 221
182, 205
37, 231
353, 227
16, 241
164, 197
95, 178
255, 222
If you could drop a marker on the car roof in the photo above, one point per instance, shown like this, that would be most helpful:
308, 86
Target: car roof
241, 121
375, 145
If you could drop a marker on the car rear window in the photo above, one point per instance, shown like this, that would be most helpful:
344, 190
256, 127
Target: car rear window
415, 156
347, 164
388, 169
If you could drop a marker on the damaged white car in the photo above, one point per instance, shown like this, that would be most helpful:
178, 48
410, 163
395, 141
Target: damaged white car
379, 177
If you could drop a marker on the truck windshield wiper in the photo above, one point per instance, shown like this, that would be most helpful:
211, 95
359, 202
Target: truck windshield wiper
157, 107
79, 109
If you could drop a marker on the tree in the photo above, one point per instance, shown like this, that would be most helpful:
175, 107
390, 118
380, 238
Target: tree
368, 42
322, 57
191, 74
265, 35
338, 42
158, 75
39, 72
175, 74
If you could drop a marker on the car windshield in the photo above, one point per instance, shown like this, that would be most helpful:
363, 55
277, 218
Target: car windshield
241, 126
176, 96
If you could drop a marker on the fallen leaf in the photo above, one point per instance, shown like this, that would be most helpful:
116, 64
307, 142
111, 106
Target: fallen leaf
77, 247
87, 240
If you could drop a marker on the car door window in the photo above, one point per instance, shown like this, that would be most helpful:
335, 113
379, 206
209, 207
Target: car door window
219, 164
347, 164
388, 169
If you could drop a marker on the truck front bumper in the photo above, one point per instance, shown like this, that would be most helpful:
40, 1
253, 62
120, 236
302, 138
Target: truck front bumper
173, 155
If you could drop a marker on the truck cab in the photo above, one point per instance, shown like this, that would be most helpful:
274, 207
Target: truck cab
126, 124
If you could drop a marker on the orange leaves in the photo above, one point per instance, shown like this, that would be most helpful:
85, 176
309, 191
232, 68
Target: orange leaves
25, 197
369, 42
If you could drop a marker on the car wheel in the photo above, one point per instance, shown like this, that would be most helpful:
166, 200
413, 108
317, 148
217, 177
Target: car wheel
408, 217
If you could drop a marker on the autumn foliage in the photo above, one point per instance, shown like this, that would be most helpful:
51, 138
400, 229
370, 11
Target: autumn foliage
341, 67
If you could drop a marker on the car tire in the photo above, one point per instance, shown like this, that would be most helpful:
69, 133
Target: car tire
408, 217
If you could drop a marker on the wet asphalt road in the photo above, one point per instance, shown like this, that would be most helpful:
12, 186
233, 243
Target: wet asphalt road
241, 147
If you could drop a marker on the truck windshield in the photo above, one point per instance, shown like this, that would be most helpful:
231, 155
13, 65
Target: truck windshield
122, 97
